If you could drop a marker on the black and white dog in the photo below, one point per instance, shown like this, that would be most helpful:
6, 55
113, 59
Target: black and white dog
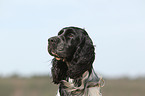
72, 69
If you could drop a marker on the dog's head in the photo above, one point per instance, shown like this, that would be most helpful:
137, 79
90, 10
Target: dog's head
73, 49
65, 44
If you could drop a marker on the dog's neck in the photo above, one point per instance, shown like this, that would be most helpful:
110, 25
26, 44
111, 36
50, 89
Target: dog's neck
80, 86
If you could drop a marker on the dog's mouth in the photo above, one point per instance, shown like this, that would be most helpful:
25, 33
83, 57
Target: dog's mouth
53, 53
56, 56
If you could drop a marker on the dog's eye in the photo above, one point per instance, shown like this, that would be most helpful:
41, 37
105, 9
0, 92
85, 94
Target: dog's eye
70, 35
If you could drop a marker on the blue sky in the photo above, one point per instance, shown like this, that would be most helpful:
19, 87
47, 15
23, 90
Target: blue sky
117, 28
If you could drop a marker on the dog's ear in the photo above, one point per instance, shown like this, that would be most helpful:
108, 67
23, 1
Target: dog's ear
58, 70
83, 57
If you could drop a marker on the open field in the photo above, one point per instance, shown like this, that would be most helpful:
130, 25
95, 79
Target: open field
42, 86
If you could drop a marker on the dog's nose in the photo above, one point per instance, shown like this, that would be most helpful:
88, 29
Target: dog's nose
52, 40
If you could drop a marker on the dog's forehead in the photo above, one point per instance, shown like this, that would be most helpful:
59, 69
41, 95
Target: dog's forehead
64, 30
60, 32
76, 30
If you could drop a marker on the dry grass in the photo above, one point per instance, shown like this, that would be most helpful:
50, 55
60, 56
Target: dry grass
124, 87
42, 86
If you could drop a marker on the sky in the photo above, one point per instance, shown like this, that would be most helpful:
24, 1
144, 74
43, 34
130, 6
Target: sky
117, 28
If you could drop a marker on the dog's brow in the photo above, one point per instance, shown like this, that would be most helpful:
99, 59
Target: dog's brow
64, 30
60, 32
67, 31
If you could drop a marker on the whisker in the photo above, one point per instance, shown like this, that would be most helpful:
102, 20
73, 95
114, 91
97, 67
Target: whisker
49, 62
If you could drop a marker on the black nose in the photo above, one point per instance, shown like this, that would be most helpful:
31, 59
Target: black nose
52, 40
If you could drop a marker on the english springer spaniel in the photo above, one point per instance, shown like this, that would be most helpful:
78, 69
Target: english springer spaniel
72, 68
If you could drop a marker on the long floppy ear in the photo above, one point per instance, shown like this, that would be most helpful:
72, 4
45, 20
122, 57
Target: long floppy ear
58, 70
82, 58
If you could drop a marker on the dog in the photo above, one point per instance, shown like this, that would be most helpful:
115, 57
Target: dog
72, 65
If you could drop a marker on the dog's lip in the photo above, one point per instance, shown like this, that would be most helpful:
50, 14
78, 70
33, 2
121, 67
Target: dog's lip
56, 56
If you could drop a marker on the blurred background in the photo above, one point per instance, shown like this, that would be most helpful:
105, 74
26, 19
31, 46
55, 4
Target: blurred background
117, 28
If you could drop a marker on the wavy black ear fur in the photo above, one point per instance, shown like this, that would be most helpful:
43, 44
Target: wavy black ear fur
83, 57
58, 70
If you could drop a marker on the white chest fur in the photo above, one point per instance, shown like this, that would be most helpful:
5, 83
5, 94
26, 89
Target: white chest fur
90, 85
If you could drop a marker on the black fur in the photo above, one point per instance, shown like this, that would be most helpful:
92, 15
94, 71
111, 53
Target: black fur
75, 50
58, 70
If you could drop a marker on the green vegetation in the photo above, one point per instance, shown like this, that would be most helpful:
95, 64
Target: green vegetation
43, 86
